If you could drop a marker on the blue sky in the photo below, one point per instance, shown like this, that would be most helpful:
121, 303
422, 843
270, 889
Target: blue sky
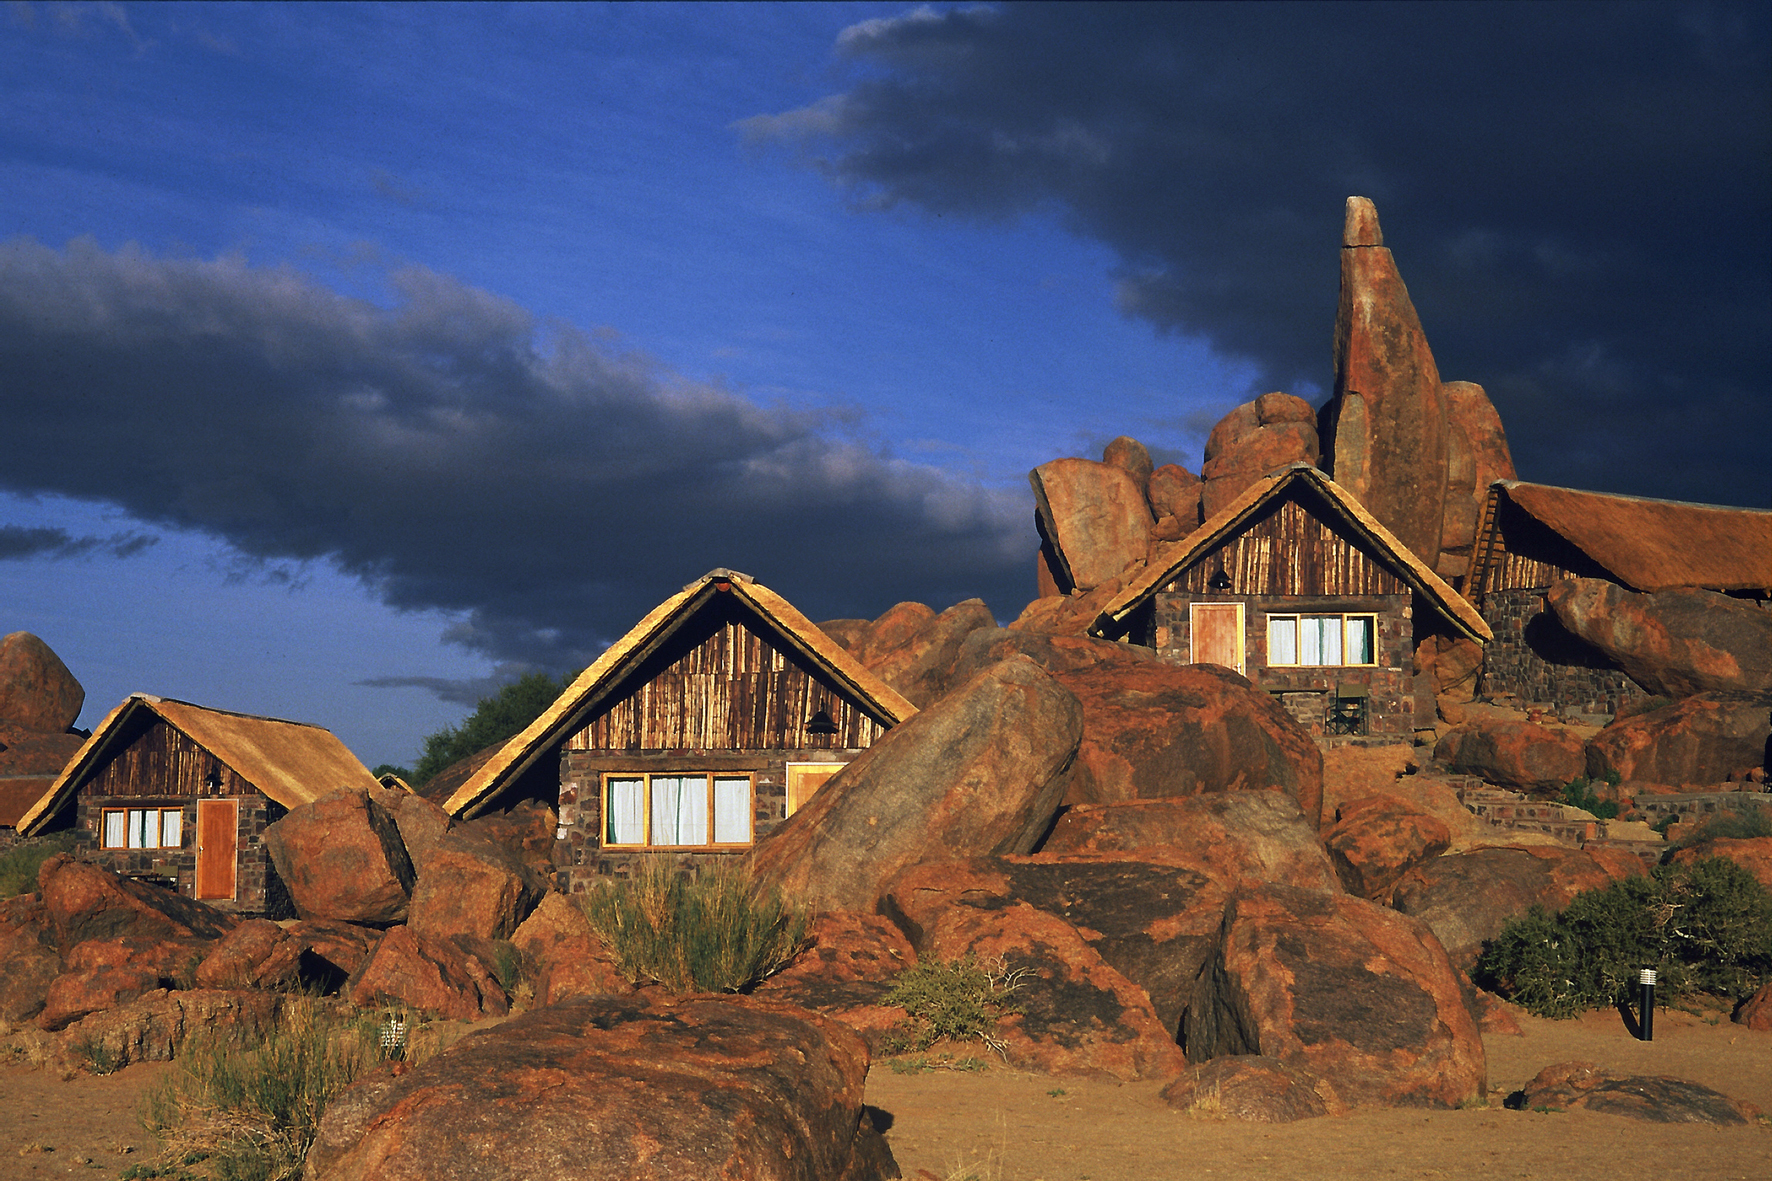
357, 357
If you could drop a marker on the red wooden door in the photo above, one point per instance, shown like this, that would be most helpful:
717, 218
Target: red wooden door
1216, 631
218, 825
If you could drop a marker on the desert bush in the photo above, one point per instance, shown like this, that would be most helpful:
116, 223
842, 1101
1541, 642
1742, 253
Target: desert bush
19, 865
1704, 928
238, 1110
713, 932
952, 1000
1730, 824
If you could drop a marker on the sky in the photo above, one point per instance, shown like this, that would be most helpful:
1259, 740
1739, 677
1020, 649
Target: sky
357, 359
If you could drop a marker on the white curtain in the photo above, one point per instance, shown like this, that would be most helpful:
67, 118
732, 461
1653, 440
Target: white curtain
116, 829
679, 809
171, 828
625, 815
732, 811
1359, 640
138, 824
1282, 639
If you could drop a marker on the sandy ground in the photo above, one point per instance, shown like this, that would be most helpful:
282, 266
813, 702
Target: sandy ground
1003, 1125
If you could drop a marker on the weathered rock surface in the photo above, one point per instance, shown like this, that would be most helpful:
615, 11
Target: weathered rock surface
921, 669
1466, 898
1054, 653
1655, 1098
851, 963
1070, 614
104, 973
29, 961
1477, 455
895, 626
1078, 1016
1131, 457
1753, 854
1448, 668
1274, 430
1674, 642
1153, 924
342, 858
1253, 1088
473, 886
152, 1027
1174, 496
848, 633
233, 962
979, 772
427, 973
1155, 729
1521, 755
564, 956
1756, 1011
1700, 740
1095, 516
1229, 837
1359, 995
1384, 428
1377, 839
319, 954
526, 831
598, 1089
421, 822
84, 902
37, 692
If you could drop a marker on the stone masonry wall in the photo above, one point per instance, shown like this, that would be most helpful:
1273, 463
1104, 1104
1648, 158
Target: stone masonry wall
1532, 658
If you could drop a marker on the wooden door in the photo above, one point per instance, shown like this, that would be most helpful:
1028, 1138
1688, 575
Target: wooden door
218, 826
806, 778
1216, 631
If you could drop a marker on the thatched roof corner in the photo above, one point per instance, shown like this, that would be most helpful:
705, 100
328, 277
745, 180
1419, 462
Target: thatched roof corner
1647, 545
590, 691
293, 763
1177, 556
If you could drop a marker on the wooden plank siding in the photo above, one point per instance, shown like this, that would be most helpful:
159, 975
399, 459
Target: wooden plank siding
164, 761
1525, 554
734, 690
1291, 551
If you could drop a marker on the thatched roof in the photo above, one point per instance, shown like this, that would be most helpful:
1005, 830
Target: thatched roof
291, 762
1650, 545
586, 695
1179, 555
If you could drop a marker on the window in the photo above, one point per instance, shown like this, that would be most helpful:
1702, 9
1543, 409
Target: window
143, 828
676, 811
1319, 640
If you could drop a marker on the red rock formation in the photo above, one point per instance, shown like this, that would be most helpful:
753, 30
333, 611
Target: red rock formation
37, 692
897, 624
1174, 497
1658, 1098
1520, 755
564, 956
980, 771
1676, 642
1274, 430
1753, 854
474, 887
1253, 1088
1466, 898
1131, 457
1377, 839
29, 961
1155, 729
84, 902
1354, 993
672, 1090
1096, 517
1697, 742
1756, 1011
1385, 427
342, 858
1477, 455
1232, 838
921, 668
427, 973
1054, 653
850, 964
155, 1026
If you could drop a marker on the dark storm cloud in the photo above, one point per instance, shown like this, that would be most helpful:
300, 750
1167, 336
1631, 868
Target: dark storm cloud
452, 456
22, 541
1578, 195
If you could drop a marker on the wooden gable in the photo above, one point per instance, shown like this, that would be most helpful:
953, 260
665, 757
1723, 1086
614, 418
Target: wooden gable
1293, 546
160, 760
726, 680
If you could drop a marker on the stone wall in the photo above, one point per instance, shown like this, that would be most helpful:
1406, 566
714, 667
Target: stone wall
1536, 661
257, 888
1307, 693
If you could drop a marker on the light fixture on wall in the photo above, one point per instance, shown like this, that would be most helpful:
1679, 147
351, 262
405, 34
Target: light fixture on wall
1219, 582
821, 723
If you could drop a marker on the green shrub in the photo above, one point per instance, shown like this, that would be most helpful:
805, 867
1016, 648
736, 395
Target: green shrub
249, 1110
1579, 794
1731, 824
955, 1000
19, 865
713, 932
1704, 927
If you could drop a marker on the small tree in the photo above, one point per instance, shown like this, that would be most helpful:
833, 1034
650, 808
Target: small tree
497, 718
